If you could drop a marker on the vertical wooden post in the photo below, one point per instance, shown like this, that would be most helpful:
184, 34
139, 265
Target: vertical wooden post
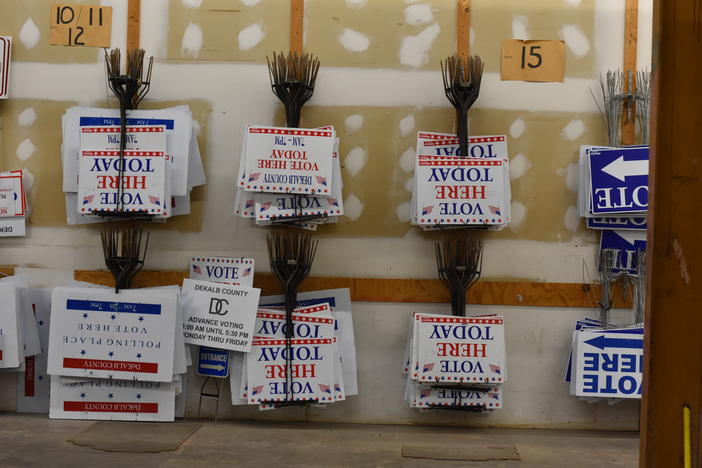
463, 28
672, 355
297, 14
631, 29
133, 24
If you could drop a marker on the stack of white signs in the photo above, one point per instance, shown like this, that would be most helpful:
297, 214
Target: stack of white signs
315, 368
19, 337
161, 163
455, 362
288, 174
605, 363
33, 383
613, 197
339, 300
458, 191
13, 204
115, 356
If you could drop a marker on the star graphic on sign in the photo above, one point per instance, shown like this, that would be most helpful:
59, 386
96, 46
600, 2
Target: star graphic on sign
110, 354
113, 316
138, 355
138, 396
141, 319
110, 395
82, 352
82, 395
41, 377
41, 322
85, 315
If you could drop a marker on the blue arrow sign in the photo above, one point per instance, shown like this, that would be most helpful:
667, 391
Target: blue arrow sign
627, 244
603, 342
619, 180
212, 362
623, 222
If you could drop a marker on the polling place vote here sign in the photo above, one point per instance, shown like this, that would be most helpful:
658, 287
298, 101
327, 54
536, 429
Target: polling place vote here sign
609, 363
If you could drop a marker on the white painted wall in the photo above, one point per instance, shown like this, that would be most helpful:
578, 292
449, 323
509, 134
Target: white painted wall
239, 94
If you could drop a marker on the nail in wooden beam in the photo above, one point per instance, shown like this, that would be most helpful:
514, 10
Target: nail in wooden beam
297, 13
133, 24
463, 28
631, 27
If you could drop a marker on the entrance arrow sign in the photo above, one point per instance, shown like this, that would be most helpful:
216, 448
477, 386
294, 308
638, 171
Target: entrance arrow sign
603, 342
621, 169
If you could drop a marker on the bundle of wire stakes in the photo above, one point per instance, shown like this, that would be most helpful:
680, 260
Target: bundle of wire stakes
292, 80
124, 249
462, 77
290, 254
459, 261
130, 88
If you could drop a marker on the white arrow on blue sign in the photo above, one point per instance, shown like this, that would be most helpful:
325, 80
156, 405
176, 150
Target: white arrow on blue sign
212, 362
627, 244
619, 180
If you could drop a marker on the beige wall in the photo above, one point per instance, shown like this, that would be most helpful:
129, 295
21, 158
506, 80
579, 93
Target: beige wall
380, 62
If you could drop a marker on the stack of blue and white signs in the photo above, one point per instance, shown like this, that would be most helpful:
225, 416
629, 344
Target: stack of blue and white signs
613, 197
116, 356
161, 165
605, 363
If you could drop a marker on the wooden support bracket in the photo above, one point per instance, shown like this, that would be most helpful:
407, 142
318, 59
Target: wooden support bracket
463, 28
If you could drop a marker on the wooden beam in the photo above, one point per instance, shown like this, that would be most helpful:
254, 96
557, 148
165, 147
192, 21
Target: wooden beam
673, 359
507, 293
133, 24
297, 15
463, 28
631, 30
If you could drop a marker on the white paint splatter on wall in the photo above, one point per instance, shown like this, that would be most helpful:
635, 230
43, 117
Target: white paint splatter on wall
29, 34
409, 184
353, 41
418, 14
518, 212
574, 130
192, 3
576, 41
25, 149
571, 220
517, 128
353, 123
407, 125
355, 160
355, 3
353, 208
27, 117
251, 36
518, 165
519, 27
191, 44
414, 50
250, 2
403, 212
407, 159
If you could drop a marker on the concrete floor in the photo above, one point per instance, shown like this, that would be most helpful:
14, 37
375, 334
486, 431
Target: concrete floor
38, 441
